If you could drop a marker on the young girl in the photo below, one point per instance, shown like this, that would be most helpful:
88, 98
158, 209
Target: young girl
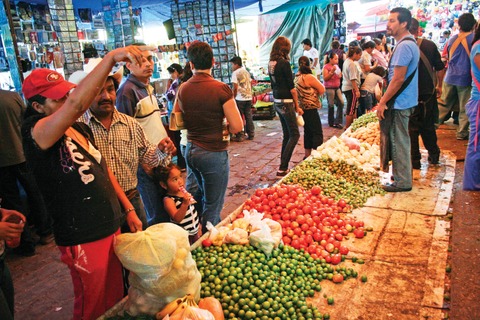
177, 201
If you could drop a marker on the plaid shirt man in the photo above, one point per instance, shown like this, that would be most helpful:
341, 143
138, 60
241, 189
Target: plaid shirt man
124, 147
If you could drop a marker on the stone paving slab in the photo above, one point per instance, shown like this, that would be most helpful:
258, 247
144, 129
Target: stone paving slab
405, 255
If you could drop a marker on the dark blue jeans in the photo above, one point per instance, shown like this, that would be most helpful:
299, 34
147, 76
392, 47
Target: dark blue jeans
365, 103
286, 113
211, 170
245, 108
151, 198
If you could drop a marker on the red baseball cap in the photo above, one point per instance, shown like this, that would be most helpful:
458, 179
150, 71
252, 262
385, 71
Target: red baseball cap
47, 83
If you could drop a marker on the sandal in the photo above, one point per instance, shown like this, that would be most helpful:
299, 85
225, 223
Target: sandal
282, 173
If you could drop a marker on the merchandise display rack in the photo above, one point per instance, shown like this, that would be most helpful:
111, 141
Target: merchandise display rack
208, 21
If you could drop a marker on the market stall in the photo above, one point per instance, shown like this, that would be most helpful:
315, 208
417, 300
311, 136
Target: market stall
339, 241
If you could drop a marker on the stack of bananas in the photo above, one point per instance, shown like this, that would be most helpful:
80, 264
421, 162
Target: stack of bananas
177, 306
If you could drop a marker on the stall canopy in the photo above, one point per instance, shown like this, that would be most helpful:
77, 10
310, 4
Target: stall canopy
314, 22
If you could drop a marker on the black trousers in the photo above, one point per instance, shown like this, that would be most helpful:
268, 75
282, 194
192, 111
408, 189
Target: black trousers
312, 131
422, 124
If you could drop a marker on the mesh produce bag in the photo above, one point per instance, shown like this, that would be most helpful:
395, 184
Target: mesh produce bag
161, 267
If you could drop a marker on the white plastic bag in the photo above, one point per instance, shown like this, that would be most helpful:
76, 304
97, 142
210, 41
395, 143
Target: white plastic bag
236, 236
262, 239
275, 230
161, 267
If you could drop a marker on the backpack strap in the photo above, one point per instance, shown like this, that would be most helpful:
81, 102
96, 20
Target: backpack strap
461, 39
427, 64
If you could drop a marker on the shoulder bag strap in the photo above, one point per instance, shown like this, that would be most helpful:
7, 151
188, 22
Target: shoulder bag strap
409, 78
427, 64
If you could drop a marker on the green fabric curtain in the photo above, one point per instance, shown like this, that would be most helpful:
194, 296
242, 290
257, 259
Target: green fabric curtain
314, 22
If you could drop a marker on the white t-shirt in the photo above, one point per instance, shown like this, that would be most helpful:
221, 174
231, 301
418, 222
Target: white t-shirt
351, 73
312, 54
366, 59
242, 78
371, 82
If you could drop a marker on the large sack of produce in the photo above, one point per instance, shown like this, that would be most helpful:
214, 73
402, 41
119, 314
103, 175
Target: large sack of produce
161, 267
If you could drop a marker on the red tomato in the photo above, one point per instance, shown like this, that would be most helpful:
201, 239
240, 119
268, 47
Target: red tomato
317, 236
300, 219
297, 231
343, 250
338, 236
295, 243
305, 227
286, 240
310, 222
308, 239
337, 277
329, 247
359, 233
307, 209
316, 190
358, 224
207, 242
312, 249
342, 203
290, 232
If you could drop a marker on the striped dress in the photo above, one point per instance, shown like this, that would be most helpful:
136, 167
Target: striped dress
191, 221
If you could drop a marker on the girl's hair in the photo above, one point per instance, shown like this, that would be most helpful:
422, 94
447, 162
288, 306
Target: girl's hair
161, 173
354, 50
304, 65
187, 73
330, 56
281, 49
379, 71
377, 41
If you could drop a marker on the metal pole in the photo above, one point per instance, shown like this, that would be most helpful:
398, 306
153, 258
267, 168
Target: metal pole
235, 24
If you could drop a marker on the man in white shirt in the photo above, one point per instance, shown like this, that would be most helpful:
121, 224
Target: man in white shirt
310, 52
242, 91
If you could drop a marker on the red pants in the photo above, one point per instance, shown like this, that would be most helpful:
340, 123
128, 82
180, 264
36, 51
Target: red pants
96, 275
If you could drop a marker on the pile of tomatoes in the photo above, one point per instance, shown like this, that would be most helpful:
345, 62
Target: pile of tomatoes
310, 221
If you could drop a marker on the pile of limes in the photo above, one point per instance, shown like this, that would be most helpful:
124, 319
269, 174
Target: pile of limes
250, 286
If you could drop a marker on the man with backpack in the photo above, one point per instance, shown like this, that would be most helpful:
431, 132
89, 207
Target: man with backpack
422, 122
458, 80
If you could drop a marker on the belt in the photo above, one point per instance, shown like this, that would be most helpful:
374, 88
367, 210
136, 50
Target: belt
283, 100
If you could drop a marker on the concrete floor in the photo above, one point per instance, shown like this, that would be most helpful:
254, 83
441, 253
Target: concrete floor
43, 286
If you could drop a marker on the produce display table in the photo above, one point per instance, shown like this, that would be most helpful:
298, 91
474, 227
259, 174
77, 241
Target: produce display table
403, 259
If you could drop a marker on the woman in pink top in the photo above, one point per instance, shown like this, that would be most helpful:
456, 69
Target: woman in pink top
378, 53
331, 80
